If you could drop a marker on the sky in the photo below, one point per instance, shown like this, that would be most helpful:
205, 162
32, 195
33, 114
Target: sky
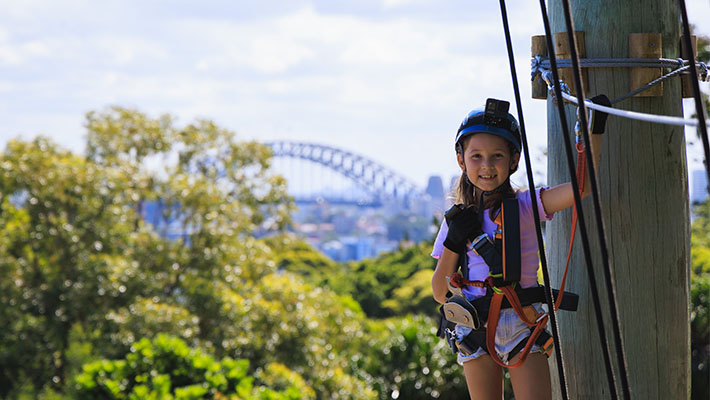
388, 79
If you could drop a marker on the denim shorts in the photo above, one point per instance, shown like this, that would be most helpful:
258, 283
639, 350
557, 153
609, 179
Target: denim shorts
511, 331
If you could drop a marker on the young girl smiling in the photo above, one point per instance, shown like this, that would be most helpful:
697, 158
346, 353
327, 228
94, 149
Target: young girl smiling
488, 149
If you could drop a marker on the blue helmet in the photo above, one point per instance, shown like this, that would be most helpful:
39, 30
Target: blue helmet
494, 119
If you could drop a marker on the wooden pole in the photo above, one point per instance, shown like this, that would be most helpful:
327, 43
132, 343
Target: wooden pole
644, 195
538, 47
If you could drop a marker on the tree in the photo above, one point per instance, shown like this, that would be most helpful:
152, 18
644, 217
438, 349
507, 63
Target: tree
378, 282
166, 367
88, 286
405, 359
63, 237
700, 301
75, 250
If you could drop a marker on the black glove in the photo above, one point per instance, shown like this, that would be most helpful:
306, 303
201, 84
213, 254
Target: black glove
463, 226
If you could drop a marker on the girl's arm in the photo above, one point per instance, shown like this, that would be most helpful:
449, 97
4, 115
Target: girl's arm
446, 266
562, 196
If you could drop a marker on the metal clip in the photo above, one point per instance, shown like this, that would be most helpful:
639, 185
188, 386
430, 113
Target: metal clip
453, 289
541, 316
478, 242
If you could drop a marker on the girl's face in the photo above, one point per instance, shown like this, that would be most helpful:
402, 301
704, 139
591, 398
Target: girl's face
487, 160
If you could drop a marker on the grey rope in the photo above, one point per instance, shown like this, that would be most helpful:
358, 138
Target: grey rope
650, 84
539, 65
617, 62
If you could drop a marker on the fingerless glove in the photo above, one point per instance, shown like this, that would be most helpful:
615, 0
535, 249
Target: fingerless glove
463, 227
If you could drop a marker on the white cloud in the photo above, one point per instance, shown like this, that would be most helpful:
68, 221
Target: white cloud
396, 3
121, 49
401, 78
16, 54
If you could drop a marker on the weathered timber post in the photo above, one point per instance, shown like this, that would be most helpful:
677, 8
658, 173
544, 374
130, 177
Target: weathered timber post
644, 195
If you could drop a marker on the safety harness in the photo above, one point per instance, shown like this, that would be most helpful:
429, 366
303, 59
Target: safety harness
503, 257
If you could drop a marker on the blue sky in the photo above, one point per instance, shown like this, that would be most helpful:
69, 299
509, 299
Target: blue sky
389, 79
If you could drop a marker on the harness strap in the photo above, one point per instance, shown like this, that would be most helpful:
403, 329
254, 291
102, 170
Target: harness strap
509, 294
509, 262
502, 253
493, 316
527, 296
510, 221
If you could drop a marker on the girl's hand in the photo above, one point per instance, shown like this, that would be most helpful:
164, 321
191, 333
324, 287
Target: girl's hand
462, 228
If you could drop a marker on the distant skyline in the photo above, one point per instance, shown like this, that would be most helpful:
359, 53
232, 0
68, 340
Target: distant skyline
388, 79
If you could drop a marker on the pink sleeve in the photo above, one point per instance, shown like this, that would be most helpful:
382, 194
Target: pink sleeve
438, 249
526, 203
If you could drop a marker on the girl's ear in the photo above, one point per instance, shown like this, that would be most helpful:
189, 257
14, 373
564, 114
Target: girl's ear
459, 158
514, 162
516, 159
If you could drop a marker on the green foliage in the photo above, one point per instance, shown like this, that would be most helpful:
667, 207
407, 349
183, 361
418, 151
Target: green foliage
72, 214
414, 296
74, 250
97, 303
282, 319
166, 368
294, 255
700, 315
703, 46
700, 336
700, 302
373, 282
405, 359
397, 283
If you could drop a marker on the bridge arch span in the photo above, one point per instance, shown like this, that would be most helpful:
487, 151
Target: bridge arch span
377, 179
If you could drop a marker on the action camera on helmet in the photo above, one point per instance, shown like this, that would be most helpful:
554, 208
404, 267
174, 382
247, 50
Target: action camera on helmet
496, 113
494, 119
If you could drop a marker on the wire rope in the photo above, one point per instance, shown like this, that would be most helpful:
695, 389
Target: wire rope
660, 119
650, 84
618, 63
536, 214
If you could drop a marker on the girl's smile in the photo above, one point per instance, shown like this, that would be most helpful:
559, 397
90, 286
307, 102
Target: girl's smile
487, 160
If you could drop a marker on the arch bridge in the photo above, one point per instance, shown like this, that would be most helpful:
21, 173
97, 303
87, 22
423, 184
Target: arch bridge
376, 179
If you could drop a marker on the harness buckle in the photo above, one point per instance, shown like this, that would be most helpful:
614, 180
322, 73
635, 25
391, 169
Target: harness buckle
542, 316
479, 242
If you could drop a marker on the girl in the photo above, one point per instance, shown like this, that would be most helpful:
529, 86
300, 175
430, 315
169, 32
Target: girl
488, 151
